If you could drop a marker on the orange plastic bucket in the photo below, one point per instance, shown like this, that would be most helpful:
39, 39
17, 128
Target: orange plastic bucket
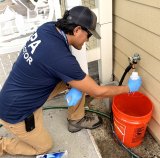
131, 114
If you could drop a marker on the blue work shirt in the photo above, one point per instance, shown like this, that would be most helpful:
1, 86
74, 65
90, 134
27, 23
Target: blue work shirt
44, 61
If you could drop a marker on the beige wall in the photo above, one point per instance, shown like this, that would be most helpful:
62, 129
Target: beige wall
137, 30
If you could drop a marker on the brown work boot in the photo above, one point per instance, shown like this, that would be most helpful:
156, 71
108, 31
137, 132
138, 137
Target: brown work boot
87, 122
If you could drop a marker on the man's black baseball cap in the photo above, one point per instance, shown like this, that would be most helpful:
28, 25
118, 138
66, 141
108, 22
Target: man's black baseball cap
84, 17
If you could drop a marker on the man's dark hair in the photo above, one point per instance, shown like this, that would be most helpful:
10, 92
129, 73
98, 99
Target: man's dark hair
79, 16
64, 25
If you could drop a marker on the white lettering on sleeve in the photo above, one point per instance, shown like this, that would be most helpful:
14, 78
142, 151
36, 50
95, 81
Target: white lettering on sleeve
26, 56
34, 36
34, 45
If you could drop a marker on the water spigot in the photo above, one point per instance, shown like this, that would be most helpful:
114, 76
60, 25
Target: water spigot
134, 59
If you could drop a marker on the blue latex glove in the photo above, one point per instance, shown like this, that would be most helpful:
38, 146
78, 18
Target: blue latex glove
134, 85
73, 96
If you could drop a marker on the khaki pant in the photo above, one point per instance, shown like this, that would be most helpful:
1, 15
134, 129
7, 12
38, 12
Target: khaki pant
38, 141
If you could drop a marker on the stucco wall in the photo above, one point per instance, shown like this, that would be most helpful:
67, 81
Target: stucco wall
137, 30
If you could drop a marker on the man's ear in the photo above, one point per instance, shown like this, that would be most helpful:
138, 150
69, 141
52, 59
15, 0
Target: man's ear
76, 29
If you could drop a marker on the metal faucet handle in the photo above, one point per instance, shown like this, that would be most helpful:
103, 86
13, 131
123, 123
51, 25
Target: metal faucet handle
134, 59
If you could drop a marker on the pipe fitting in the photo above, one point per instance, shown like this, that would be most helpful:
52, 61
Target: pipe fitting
134, 59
